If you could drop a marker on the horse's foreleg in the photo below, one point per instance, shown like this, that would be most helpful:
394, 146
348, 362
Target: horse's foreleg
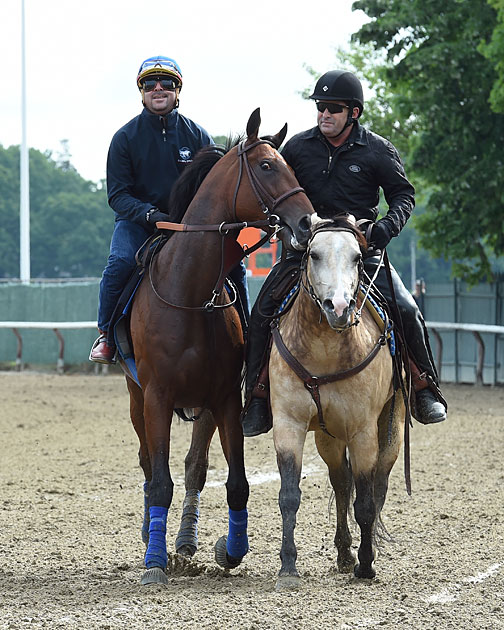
158, 412
196, 466
230, 549
364, 454
333, 453
137, 419
289, 443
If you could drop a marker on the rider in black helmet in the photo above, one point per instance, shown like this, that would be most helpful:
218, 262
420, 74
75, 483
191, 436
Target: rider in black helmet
342, 166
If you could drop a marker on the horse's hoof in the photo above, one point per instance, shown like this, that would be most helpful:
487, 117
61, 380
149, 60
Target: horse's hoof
364, 573
187, 551
156, 575
346, 564
222, 557
288, 583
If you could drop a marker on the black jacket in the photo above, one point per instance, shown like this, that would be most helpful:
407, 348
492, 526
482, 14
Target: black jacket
348, 178
145, 158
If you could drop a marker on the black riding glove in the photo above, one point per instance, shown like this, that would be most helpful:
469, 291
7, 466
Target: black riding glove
380, 235
154, 215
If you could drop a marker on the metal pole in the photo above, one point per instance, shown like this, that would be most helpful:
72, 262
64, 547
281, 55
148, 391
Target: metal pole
24, 213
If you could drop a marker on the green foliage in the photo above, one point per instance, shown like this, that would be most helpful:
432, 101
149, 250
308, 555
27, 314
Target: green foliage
70, 221
442, 84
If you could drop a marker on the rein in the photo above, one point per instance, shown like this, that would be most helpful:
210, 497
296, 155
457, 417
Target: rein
267, 203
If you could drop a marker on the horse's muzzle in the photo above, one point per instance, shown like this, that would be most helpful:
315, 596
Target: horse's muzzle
300, 233
335, 321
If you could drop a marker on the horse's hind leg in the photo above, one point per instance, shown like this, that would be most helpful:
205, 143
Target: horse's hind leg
390, 433
137, 419
230, 550
196, 466
333, 453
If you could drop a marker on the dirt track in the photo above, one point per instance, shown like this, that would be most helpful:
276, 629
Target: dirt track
71, 553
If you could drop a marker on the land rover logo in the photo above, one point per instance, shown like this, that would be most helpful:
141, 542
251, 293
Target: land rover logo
354, 168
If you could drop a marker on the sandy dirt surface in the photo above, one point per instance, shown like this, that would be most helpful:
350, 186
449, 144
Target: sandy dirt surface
71, 555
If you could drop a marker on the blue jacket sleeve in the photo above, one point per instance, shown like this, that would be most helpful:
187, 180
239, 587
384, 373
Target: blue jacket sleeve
120, 183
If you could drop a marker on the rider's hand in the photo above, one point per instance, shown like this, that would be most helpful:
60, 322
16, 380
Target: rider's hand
154, 215
380, 235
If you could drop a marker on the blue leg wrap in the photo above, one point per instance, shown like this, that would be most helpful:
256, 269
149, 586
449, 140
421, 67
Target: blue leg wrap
237, 540
156, 555
146, 518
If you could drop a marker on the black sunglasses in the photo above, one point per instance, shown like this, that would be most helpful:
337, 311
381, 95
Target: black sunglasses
166, 84
332, 108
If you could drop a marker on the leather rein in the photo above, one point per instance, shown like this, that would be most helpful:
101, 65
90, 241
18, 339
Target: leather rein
268, 205
312, 383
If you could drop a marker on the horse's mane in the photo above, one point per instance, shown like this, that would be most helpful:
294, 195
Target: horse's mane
346, 222
188, 183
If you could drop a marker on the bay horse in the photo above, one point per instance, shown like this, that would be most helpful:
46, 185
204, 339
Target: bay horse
335, 348
188, 345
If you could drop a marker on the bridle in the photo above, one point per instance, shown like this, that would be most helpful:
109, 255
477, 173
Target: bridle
308, 287
267, 202
268, 205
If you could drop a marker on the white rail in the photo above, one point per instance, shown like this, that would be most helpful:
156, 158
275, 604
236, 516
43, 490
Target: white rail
476, 329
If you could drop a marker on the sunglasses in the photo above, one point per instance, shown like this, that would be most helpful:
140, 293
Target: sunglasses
332, 108
166, 84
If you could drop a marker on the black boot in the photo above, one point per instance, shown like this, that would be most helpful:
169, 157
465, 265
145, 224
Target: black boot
428, 410
256, 418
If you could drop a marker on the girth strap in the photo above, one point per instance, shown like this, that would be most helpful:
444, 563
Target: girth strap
312, 383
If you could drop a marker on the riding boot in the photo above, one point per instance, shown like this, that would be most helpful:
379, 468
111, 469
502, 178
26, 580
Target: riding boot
427, 409
256, 417
430, 406
102, 351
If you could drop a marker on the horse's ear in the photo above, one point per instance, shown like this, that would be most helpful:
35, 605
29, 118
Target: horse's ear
279, 137
253, 125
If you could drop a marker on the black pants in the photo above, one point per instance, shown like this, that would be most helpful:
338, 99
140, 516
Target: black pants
415, 331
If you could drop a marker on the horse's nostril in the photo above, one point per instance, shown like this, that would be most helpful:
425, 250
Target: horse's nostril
328, 305
305, 223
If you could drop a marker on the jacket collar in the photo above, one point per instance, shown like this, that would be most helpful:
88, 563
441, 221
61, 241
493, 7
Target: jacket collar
357, 135
169, 119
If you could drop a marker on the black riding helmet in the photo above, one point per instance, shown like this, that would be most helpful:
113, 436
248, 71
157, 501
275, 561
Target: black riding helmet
340, 85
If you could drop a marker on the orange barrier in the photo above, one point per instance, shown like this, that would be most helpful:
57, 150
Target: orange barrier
255, 262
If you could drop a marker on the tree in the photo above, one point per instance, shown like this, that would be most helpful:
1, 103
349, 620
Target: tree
442, 82
70, 221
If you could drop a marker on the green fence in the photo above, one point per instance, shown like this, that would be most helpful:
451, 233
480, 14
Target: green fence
55, 302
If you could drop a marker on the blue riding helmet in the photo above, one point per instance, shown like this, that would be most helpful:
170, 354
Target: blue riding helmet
158, 66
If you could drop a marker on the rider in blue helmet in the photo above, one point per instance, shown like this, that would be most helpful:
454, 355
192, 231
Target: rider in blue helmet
145, 158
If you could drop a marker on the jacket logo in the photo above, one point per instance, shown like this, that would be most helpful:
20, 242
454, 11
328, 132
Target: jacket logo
354, 168
185, 154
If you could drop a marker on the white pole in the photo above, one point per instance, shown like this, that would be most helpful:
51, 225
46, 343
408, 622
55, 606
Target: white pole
24, 213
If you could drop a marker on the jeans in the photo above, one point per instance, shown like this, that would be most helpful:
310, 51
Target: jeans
127, 238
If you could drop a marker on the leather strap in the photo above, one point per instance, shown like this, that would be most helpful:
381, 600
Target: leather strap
312, 383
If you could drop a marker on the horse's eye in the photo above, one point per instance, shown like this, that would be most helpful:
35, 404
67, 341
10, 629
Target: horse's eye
265, 165
314, 256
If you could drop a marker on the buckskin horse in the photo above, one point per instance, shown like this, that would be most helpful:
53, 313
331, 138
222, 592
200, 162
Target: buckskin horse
188, 345
334, 347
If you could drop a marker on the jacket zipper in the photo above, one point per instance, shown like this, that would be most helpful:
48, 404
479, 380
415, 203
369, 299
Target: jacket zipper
163, 131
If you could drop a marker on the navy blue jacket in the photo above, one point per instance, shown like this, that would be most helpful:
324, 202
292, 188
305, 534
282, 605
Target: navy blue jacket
349, 178
145, 158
